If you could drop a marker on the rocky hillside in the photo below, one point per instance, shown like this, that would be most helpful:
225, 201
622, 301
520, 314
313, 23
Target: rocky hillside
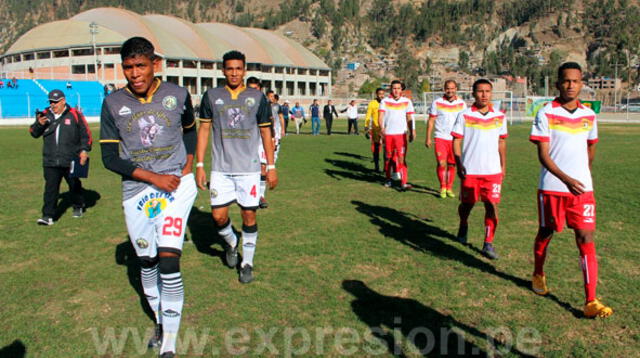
418, 40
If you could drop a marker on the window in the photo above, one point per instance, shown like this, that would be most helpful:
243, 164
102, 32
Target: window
190, 83
221, 82
78, 69
111, 51
61, 53
278, 88
189, 64
29, 56
205, 83
324, 73
17, 58
279, 69
207, 65
173, 64
44, 55
290, 87
109, 66
312, 89
302, 89
302, 71
173, 79
253, 67
91, 68
82, 52
291, 70
266, 69
313, 72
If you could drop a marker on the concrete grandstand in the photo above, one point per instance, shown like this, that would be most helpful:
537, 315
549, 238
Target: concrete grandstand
86, 48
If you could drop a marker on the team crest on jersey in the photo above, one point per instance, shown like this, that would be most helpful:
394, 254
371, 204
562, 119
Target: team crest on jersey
153, 204
250, 101
149, 130
142, 243
169, 103
235, 116
214, 193
219, 102
124, 111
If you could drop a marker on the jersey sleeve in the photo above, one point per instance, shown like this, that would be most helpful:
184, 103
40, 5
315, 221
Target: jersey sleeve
108, 130
188, 117
433, 110
458, 127
540, 129
369, 115
206, 112
264, 113
503, 130
593, 133
410, 109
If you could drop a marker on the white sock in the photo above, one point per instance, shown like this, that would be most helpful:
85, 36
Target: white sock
228, 235
263, 186
172, 300
249, 239
151, 287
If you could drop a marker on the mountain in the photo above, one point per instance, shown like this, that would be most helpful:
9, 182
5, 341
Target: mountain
418, 40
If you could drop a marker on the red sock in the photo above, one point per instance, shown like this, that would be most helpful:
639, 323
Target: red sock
589, 265
540, 254
403, 171
451, 175
490, 225
441, 173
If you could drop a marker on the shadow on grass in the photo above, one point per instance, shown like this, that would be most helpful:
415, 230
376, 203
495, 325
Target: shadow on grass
420, 235
429, 331
352, 155
91, 198
126, 256
352, 170
204, 233
16, 349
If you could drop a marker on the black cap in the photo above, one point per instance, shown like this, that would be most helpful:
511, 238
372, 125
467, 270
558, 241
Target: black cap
56, 95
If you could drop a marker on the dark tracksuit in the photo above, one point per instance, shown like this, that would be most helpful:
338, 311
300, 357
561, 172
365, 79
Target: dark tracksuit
58, 150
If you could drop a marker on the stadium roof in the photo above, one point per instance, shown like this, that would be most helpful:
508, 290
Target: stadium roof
172, 37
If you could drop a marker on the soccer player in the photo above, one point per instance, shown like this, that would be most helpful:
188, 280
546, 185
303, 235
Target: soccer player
566, 134
372, 127
396, 117
277, 132
254, 82
443, 114
237, 117
147, 135
481, 131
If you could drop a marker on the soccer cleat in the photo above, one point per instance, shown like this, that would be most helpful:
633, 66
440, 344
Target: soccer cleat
231, 255
488, 251
595, 309
77, 212
388, 184
156, 340
443, 193
167, 355
263, 203
246, 274
539, 284
462, 235
45, 220
406, 187
451, 194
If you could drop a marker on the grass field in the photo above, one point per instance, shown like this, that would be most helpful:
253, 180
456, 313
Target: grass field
344, 266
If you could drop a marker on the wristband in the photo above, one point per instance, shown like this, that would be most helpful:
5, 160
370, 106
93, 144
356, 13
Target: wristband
271, 167
199, 165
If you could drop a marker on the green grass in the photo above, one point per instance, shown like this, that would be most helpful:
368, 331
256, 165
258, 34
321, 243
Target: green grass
339, 256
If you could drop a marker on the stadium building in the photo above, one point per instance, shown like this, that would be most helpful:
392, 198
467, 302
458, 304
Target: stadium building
86, 48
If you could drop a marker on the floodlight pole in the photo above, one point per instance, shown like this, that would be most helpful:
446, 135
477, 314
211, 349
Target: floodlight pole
93, 29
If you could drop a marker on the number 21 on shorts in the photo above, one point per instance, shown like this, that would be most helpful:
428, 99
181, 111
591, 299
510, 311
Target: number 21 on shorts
589, 210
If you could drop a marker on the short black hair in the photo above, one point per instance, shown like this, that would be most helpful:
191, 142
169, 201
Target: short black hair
482, 81
137, 46
233, 55
568, 66
277, 97
379, 89
270, 92
395, 82
450, 81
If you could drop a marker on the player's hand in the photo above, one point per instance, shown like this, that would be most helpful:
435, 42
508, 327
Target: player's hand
272, 179
201, 178
412, 135
186, 170
462, 172
164, 182
42, 119
428, 143
83, 157
574, 186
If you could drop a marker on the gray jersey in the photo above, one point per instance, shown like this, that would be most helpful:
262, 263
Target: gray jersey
235, 120
277, 127
149, 130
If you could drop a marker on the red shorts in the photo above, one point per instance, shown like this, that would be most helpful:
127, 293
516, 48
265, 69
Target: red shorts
397, 143
579, 211
444, 151
482, 187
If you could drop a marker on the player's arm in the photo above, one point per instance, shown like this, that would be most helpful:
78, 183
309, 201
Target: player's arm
265, 132
189, 134
502, 151
574, 186
411, 124
281, 119
368, 117
591, 151
457, 154
204, 129
430, 123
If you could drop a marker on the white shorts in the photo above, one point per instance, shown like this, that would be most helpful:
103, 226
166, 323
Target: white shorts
225, 189
263, 154
157, 220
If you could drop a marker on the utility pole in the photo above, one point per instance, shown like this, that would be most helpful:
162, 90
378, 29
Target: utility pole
615, 89
93, 29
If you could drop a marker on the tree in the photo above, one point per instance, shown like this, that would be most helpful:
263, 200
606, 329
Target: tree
463, 61
318, 26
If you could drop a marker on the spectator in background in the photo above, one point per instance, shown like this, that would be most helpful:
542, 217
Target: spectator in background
315, 117
15, 82
69, 85
328, 112
1, 84
298, 115
66, 137
284, 109
352, 116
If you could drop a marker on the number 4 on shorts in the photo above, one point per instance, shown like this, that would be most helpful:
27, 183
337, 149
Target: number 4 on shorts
253, 192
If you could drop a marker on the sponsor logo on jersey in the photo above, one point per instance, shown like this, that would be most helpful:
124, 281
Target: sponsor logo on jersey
170, 313
67, 121
169, 103
250, 101
124, 111
219, 102
149, 130
142, 243
153, 204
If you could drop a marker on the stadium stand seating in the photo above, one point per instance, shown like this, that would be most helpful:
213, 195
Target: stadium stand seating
32, 94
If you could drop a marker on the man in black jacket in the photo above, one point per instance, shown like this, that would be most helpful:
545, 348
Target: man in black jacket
328, 112
66, 136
